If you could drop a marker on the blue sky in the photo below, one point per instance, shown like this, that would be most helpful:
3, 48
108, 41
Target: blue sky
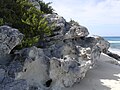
101, 17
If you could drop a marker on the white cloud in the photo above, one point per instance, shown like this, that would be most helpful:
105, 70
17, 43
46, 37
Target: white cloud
89, 11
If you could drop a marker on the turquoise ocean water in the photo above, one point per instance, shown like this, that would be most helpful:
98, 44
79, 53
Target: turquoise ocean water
114, 42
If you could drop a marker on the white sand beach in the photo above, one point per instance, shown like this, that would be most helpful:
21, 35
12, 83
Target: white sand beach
117, 51
104, 76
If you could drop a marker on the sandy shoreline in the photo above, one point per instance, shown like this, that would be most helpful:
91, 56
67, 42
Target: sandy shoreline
117, 51
104, 76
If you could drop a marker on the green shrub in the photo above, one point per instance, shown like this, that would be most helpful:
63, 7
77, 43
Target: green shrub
24, 16
45, 6
1, 21
72, 21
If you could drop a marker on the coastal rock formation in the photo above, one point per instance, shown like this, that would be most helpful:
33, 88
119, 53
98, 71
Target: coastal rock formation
68, 54
59, 24
76, 31
102, 43
35, 68
71, 60
9, 38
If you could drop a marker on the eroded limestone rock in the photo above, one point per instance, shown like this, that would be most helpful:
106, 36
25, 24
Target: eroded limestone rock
2, 75
16, 85
9, 38
59, 28
68, 55
76, 31
58, 21
102, 43
75, 58
35, 68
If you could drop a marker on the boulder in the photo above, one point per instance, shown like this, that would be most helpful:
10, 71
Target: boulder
58, 21
35, 68
64, 30
76, 31
9, 38
75, 58
61, 65
59, 28
68, 55
102, 43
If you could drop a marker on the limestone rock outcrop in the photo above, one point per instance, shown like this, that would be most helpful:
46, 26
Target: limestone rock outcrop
9, 38
35, 68
76, 31
71, 60
102, 43
68, 54
59, 24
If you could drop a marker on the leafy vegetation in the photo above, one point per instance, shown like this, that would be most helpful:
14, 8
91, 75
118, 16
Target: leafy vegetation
72, 21
45, 6
23, 15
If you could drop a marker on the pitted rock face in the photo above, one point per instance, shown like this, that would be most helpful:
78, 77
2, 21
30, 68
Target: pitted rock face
66, 59
59, 28
9, 38
58, 22
102, 43
77, 57
64, 30
76, 31
56, 19
35, 69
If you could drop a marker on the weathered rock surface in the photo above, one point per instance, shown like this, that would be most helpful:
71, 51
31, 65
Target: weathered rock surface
35, 68
59, 24
67, 56
73, 58
2, 74
9, 38
102, 43
58, 21
16, 85
76, 31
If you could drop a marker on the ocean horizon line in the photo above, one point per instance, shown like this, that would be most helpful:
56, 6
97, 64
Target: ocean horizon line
110, 36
